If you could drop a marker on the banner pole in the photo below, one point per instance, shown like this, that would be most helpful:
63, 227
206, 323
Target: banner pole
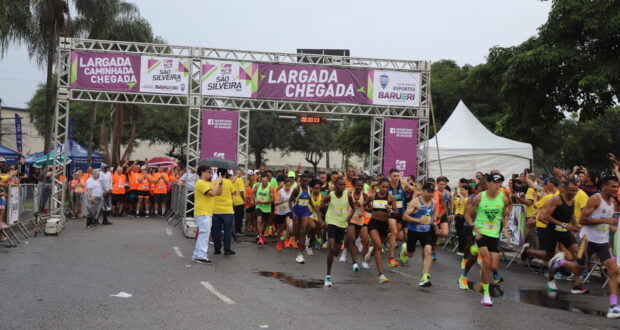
435, 132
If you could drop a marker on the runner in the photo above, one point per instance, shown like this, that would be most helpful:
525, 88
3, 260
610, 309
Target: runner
420, 215
559, 214
490, 209
337, 203
284, 212
302, 210
119, 180
443, 200
357, 228
144, 186
381, 205
396, 189
463, 230
250, 219
596, 219
263, 198
316, 225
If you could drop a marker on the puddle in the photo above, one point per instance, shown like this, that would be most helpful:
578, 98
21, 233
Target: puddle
543, 298
296, 282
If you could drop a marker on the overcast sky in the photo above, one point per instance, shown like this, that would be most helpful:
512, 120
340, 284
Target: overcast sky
406, 29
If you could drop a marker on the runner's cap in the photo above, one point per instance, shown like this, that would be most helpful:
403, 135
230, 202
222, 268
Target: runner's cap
495, 178
427, 186
292, 174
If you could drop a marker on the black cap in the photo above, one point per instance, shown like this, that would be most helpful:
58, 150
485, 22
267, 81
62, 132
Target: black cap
427, 186
495, 177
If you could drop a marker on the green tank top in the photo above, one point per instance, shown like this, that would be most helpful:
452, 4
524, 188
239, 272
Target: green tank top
489, 215
338, 210
263, 196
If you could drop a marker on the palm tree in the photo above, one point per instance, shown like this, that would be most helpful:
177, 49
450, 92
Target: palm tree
38, 24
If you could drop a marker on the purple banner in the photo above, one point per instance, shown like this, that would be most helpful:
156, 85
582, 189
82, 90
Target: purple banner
219, 134
400, 146
18, 133
112, 72
312, 83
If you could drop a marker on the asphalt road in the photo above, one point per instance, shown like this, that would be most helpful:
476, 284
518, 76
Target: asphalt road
67, 282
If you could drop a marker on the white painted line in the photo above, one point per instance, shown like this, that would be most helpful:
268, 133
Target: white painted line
168, 231
401, 273
265, 326
122, 294
178, 251
210, 287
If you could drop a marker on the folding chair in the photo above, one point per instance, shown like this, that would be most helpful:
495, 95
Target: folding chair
452, 237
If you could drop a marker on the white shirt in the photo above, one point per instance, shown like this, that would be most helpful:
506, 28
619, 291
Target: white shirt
106, 180
190, 180
94, 188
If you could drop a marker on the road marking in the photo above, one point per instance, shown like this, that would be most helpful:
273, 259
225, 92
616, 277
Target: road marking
210, 287
178, 251
265, 326
122, 294
169, 231
401, 273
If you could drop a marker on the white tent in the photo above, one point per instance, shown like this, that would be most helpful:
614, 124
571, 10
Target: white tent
466, 147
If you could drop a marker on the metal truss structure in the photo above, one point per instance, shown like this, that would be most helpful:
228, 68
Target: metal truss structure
194, 102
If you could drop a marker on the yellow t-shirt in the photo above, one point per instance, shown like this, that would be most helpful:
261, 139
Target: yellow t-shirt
459, 205
539, 205
240, 188
203, 204
581, 199
224, 202
530, 210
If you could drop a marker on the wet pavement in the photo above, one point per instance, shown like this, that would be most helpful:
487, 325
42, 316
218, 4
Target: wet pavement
74, 281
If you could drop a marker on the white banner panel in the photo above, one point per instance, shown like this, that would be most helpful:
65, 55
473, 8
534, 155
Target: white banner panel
164, 75
396, 88
228, 78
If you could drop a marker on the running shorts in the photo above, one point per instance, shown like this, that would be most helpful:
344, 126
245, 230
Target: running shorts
443, 219
301, 212
542, 237
281, 218
78, 197
159, 198
603, 251
263, 214
143, 193
250, 209
356, 226
491, 243
337, 233
133, 196
118, 198
381, 226
554, 237
413, 237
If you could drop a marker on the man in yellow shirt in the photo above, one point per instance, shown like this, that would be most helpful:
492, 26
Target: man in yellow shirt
551, 186
223, 214
204, 201
239, 201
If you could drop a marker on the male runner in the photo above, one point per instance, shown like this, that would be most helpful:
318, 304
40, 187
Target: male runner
559, 215
490, 209
337, 217
283, 216
263, 197
397, 190
443, 199
357, 228
420, 215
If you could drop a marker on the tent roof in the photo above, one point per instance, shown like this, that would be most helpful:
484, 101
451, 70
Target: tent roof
6, 151
77, 150
463, 134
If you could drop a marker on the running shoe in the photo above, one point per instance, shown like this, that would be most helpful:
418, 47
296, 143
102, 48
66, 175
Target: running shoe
359, 245
369, 254
343, 256
383, 279
365, 265
613, 312
317, 244
403, 253
425, 282
434, 256
309, 251
295, 245
463, 263
204, 261
325, 245
579, 289
479, 260
551, 286
486, 301
558, 276
261, 240
355, 268
463, 283
328, 282
554, 263
287, 243
393, 263
460, 254
497, 278
300, 258
279, 246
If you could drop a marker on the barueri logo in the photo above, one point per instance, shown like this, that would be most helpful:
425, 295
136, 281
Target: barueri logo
210, 122
401, 165
392, 130
218, 155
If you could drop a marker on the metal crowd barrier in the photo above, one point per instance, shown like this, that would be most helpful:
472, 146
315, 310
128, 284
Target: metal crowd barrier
24, 215
516, 230
178, 204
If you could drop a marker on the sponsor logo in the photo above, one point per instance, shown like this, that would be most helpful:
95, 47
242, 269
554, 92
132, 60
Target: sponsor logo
227, 69
210, 122
392, 130
182, 87
401, 165
384, 79
218, 155
168, 63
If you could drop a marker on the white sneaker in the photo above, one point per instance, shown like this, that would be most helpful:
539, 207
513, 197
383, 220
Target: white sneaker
309, 251
343, 256
328, 282
300, 258
486, 301
359, 245
369, 254
383, 279
551, 286
613, 313
365, 265
355, 268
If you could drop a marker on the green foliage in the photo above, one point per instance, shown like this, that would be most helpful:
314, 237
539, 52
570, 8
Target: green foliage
314, 140
267, 132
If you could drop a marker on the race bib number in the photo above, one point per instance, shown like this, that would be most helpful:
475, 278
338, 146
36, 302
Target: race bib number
340, 210
399, 204
162, 187
490, 226
379, 204
560, 228
302, 202
604, 228
426, 218
284, 207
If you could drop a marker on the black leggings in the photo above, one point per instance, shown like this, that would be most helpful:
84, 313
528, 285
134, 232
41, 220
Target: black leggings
459, 222
239, 214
